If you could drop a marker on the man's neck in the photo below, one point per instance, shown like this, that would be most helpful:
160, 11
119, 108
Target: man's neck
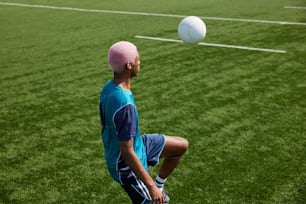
124, 83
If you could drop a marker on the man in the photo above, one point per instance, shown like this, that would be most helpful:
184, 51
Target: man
127, 153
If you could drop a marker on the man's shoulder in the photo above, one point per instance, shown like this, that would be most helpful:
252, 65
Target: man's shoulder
110, 90
108, 86
115, 96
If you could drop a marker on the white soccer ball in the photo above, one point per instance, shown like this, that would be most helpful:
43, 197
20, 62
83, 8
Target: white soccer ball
192, 30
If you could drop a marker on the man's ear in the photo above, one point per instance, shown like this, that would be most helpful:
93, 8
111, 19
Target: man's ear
129, 65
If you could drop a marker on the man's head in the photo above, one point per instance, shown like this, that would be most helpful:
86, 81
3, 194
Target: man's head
122, 55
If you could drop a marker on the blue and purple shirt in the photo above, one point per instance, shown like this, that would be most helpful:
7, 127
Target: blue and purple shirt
119, 119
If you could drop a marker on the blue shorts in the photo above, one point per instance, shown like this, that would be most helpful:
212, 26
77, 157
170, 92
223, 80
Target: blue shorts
154, 144
137, 191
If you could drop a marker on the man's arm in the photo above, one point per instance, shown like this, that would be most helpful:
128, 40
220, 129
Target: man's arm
131, 159
126, 126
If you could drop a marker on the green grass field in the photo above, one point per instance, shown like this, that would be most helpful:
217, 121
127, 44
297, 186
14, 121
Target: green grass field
243, 111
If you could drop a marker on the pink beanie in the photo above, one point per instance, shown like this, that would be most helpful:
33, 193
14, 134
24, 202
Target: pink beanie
120, 54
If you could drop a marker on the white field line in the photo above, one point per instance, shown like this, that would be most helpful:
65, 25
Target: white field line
150, 14
212, 44
294, 7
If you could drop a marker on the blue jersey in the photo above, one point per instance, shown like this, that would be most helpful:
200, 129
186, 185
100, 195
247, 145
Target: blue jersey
119, 119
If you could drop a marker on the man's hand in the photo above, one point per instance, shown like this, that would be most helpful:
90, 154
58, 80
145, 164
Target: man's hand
129, 156
156, 195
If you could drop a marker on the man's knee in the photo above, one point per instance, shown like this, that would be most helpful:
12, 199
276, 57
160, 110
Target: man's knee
176, 146
183, 144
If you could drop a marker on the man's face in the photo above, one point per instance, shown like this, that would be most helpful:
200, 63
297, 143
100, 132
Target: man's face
135, 66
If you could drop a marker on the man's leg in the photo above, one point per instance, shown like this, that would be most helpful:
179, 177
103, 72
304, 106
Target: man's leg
174, 148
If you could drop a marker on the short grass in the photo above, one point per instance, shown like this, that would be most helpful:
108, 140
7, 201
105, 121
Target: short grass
243, 112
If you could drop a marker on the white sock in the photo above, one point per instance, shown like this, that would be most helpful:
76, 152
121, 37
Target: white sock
160, 182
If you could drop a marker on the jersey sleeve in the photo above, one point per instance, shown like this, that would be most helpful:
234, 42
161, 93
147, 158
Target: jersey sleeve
125, 122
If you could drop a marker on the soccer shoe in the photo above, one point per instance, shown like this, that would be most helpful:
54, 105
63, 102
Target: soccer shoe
166, 197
